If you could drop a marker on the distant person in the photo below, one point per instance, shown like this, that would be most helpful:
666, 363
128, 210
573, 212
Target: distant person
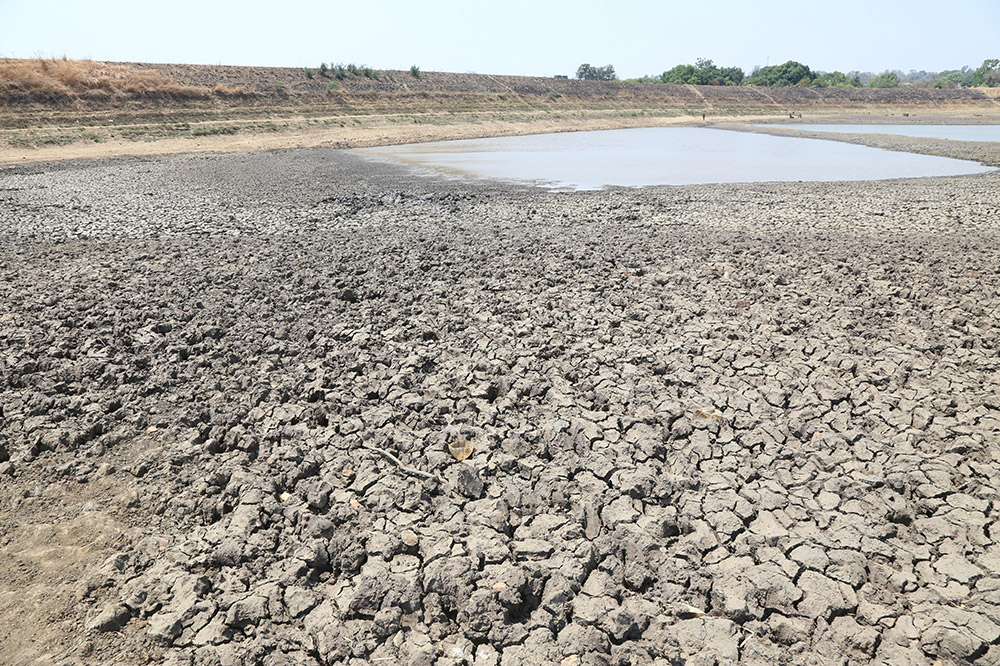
791, 116
702, 116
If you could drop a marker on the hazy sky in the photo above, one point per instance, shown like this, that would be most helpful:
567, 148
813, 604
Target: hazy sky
511, 37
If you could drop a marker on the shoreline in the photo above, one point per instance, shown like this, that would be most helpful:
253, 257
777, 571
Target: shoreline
388, 130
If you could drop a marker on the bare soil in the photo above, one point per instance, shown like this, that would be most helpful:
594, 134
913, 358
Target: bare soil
746, 423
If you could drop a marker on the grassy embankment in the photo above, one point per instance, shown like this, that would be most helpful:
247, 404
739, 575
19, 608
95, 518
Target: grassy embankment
72, 108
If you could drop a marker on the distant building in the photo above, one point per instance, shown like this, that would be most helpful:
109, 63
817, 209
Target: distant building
560, 76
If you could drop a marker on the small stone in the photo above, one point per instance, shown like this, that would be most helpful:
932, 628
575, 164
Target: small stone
465, 480
768, 527
165, 627
949, 640
857, 636
591, 521
250, 610
533, 549
112, 618
958, 568
822, 597
810, 557
620, 511
828, 501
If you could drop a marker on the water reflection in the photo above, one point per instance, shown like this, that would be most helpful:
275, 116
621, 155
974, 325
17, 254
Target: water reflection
666, 156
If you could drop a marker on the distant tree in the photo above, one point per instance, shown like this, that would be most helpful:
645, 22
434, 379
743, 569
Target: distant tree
683, 74
703, 73
588, 72
949, 79
917, 79
988, 74
731, 76
790, 73
885, 80
837, 80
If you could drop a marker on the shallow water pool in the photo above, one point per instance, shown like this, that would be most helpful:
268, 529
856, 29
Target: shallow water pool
665, 156
952, 132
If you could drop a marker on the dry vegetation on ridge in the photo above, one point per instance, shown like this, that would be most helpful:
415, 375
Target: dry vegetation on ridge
61, 80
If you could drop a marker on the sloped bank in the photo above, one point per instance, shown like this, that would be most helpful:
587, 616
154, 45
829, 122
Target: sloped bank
199, 89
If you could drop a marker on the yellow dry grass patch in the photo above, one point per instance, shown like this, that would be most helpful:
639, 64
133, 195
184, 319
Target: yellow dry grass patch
44, 78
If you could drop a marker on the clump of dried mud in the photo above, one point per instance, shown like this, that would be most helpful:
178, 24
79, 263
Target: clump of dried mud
709, 425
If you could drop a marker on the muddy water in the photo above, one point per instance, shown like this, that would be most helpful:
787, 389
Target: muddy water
666, 156
952, 132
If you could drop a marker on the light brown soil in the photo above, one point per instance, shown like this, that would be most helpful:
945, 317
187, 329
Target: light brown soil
373, 131
282, 108
51, 559
387, 130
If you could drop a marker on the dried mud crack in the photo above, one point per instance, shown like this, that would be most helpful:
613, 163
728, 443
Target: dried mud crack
725, 424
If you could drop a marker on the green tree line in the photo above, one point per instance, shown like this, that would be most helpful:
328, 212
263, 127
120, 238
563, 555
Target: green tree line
706, 73
588, 72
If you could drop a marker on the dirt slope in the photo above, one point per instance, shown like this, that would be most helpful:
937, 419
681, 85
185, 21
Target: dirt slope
145, 109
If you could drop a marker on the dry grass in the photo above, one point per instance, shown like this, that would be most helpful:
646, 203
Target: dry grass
230, 91
40, 79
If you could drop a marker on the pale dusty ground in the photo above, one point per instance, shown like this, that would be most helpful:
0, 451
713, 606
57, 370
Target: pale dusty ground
373, 132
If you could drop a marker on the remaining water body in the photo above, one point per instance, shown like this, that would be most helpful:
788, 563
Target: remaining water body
953, 132
666, 156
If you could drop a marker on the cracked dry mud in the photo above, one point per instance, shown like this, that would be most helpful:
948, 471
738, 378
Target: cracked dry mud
725, 424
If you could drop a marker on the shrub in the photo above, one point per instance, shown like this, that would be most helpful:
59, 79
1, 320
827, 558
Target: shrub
588, 72
885, 80
323, 69
414, 71
209, 131
309, 73
790, 73
227, 91
838, 80
704, 73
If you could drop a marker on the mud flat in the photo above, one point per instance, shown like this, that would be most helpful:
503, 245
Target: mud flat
752, 423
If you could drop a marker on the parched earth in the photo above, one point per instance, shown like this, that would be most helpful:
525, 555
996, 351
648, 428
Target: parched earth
751, 423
